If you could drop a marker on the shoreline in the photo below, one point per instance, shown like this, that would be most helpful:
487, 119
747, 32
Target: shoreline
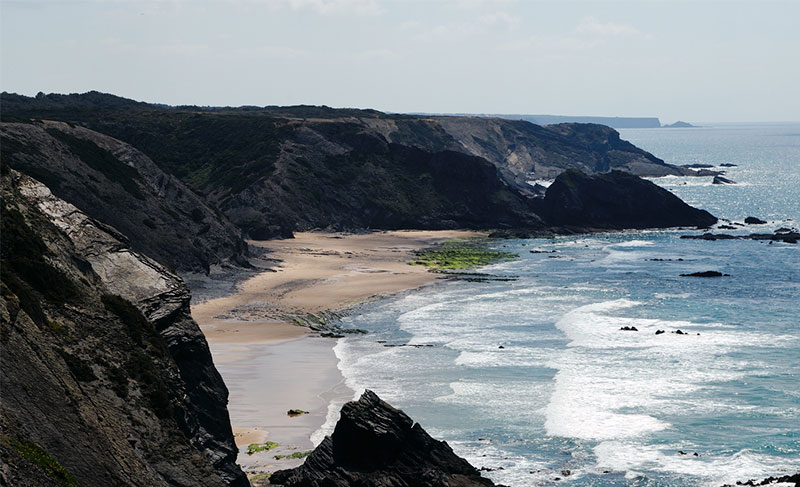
269, 363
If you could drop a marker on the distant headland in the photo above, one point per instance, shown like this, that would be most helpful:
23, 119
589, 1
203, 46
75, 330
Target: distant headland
613, 122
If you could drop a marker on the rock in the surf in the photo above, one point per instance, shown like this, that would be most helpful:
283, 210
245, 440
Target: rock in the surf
377, 445
706, 274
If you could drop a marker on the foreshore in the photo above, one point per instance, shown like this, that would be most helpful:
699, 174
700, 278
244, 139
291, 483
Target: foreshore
271, 365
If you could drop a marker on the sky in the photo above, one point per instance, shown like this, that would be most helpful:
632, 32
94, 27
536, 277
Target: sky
677, 60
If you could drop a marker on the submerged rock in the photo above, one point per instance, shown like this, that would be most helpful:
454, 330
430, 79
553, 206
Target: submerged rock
705, 274
377, 445
781, 235
721, 180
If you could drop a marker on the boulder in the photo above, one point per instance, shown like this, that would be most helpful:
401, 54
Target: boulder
377, 445
751, 220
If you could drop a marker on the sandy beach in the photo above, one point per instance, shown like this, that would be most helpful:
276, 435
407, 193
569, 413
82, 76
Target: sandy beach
270, 364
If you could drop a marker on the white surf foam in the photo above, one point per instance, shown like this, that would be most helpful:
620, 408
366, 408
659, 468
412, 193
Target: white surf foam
632, 457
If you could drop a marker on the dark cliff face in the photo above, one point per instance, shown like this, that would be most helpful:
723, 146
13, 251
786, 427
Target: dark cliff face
376, 445
105, 378
118, 185
616, 200
364, 182
278, 169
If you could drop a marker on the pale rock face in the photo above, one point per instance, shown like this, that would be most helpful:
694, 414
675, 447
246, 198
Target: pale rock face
124, 272
186, 373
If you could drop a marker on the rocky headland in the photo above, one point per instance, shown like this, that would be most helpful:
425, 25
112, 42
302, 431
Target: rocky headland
616, 200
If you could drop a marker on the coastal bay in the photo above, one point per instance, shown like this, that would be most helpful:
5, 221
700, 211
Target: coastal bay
259, 348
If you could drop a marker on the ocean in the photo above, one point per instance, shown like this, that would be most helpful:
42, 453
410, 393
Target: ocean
534, 379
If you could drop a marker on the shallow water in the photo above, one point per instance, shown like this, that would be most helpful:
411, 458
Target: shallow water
535, 379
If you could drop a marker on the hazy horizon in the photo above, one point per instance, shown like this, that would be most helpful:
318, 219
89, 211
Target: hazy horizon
700, 62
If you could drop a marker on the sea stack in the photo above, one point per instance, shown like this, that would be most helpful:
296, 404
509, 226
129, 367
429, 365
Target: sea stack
375, 444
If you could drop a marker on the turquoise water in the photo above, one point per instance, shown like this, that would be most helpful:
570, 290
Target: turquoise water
570, 391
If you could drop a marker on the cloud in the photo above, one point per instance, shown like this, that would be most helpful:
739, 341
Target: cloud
554, 44
377, 55
444, 33
272, 52
501, 18
460, 31
475, 4
331, 7
592, 26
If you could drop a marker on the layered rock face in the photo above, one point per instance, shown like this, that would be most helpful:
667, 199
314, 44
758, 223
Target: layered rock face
376, 445
523, 151
118, 185
106, 379
616, 200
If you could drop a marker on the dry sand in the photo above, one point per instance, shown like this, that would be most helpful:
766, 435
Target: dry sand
271, 365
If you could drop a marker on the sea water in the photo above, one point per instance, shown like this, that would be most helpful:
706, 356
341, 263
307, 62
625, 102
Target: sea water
535, 380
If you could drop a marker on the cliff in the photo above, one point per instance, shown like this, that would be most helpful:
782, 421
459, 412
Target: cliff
616, 200
523, 151
274, 170
105, 378
376, 445
118, 185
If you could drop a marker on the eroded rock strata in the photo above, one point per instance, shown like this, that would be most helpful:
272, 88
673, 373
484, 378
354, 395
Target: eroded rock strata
106, 379
114, 183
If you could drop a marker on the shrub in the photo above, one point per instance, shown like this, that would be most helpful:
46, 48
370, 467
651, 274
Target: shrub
42, 459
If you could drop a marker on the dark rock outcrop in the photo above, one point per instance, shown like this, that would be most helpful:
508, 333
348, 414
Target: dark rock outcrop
751, 220
104, 374
705, 274
790, 236
782, 479
722, 180
616, 200
376, 445
114, 183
